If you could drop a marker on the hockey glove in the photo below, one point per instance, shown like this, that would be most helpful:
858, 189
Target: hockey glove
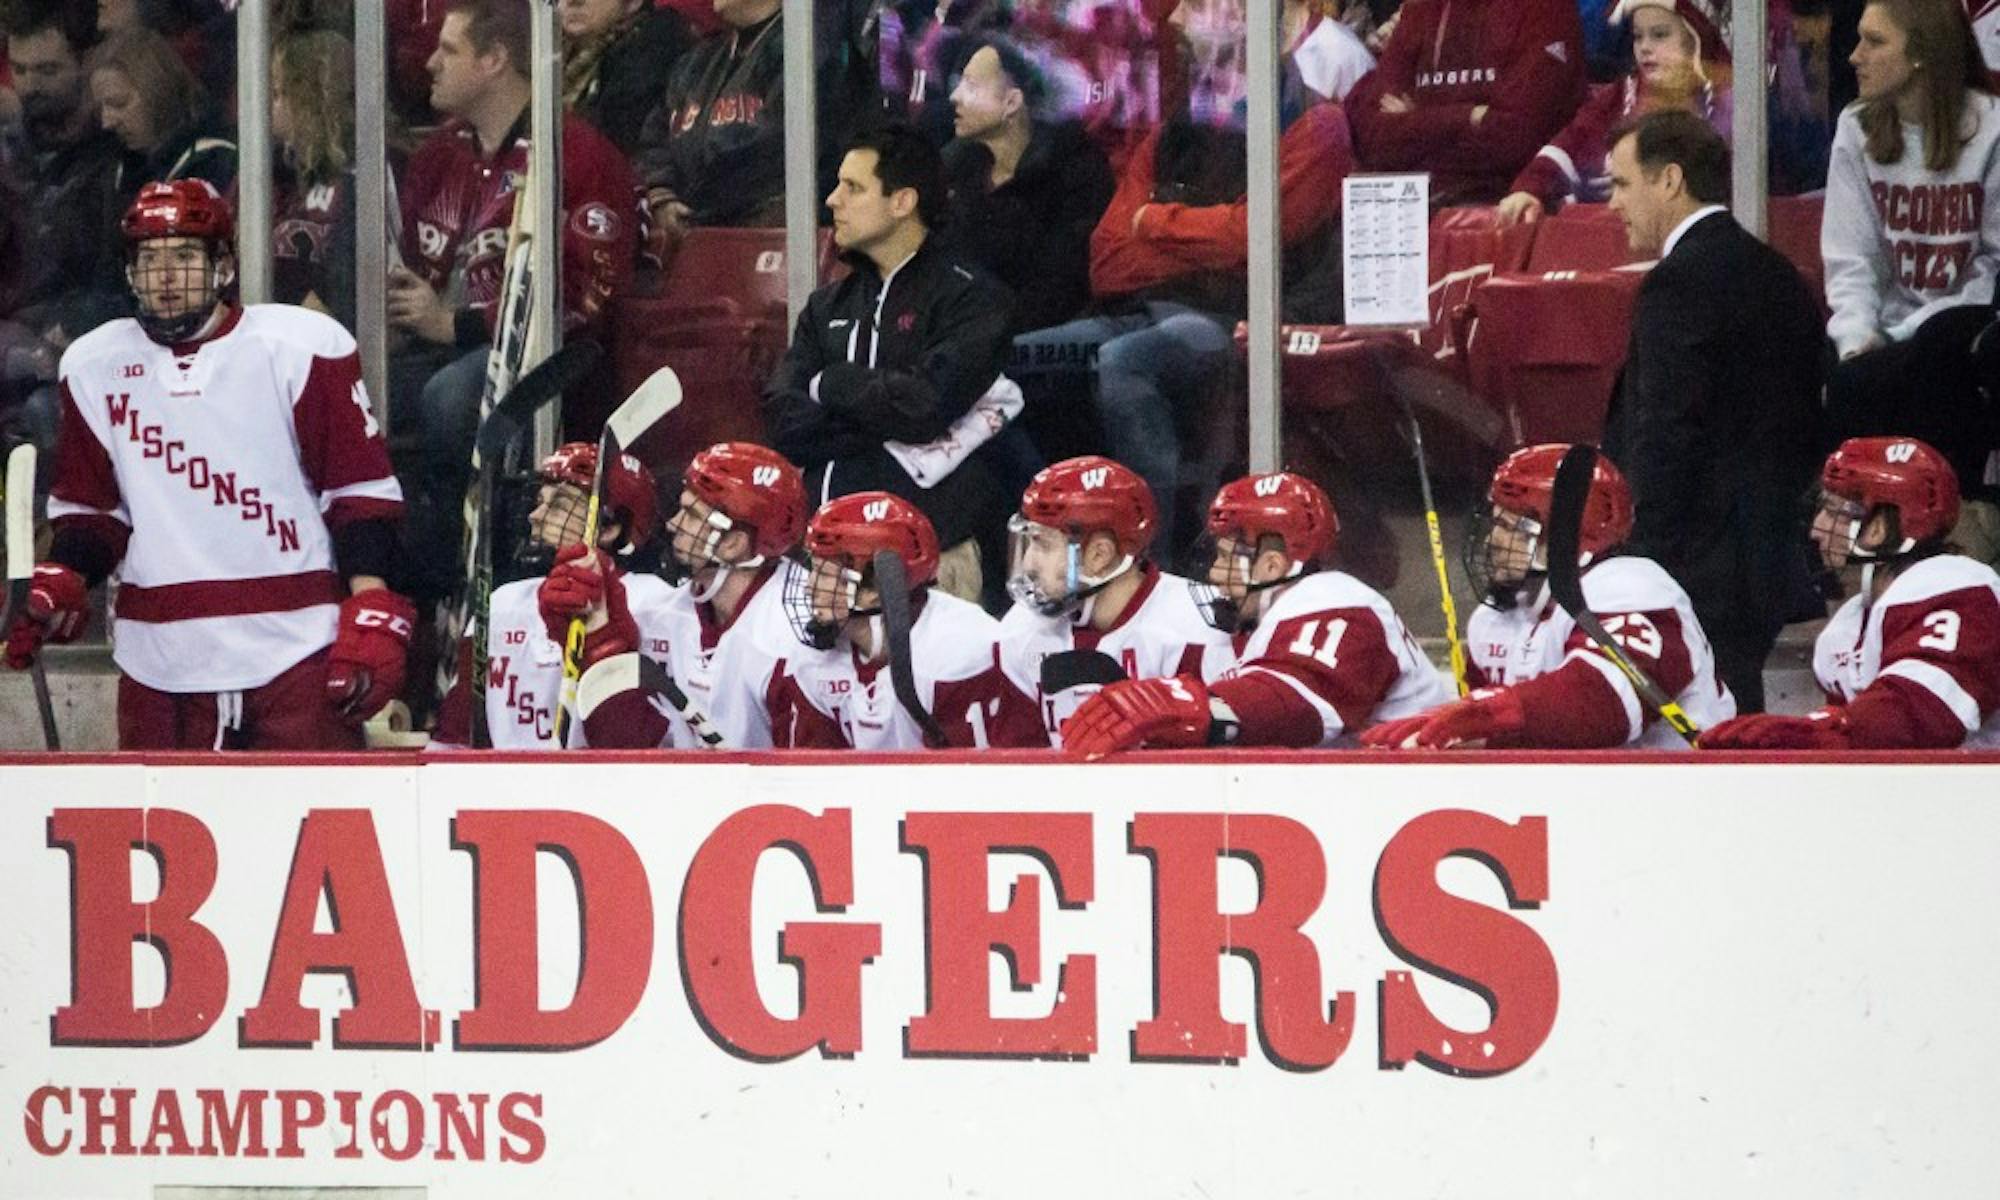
57, 608
575, 586
1166, 713
364, 670
1486, 714
1822, 729
1399, 734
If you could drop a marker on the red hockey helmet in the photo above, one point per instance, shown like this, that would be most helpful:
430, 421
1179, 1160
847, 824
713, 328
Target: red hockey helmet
629, 490
1084, 495
852, 528
179, 208
1900, 473
1525, 484
1290, 507
756, 486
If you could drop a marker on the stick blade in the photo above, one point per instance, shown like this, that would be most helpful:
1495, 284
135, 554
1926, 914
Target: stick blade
892, 583
653, 399
550, 378
1066, 669
20, 518
1566, 503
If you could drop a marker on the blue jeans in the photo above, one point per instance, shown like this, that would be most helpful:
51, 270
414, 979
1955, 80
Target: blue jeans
1155, 367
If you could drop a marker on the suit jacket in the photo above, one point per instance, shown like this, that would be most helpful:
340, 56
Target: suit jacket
1717, 425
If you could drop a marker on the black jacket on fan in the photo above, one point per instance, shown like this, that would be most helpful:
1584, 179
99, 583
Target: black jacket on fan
717, 139
847, 385
627, 83
1032, 232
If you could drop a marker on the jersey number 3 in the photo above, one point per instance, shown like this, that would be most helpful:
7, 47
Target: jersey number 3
1943, 635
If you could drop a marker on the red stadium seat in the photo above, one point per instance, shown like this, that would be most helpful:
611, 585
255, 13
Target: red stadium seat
1549, 349
718, 319
1794, 232
1580, 237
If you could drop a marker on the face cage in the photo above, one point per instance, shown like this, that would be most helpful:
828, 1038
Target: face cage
559, 524
1844, 520
813, 588
1026, 589
200, 285
691, 547
1500, 574
1216, 601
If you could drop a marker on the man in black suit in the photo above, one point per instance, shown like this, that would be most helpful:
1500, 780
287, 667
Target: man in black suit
1716, 423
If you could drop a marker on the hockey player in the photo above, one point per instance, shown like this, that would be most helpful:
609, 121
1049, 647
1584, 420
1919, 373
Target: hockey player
1538, 680
526, 624
226, 462
845, 694
1081, 582
1912, 661
1320, 655
727, 634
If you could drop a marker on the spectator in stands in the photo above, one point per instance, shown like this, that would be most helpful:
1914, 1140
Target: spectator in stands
413, 27
1328, 55
1911, 241
616, 58
896, 356
1469, 90
312, 118
202, 33
147, 97
924, 46
458, 202
1167, 264
1025, 194
713, 152
68, 179
1680, 52
1718, 415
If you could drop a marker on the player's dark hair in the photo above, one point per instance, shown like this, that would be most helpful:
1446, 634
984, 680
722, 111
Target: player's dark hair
504, 22
905, 158
77, 23
1685, 140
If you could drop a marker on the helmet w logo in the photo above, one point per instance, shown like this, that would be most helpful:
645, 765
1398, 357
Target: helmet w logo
875, 510
1268, 485
1095, 477
764, 476
1901, 452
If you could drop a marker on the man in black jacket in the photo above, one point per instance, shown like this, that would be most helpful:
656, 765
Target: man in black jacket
891, 356
1717, 420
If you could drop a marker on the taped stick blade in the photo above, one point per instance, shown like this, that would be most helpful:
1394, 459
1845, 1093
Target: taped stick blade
650, 401
20, 512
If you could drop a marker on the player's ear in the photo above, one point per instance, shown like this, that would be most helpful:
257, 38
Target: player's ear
1100, 553
734, 547
610, 534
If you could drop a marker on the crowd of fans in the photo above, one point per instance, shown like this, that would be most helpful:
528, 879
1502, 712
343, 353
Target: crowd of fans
1040, 206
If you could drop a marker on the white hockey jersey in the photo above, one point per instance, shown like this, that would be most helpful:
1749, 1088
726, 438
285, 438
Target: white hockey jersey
1937, 626
1335, 642
227, 462
735, 672
843, 701
1645, 611
1160, 633
524, 667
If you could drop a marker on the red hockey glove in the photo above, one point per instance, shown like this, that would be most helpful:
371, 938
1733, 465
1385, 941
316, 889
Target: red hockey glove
573, 588
1399, 734
1822, 729
1131, 713
1486, 714
364, 670
57, 608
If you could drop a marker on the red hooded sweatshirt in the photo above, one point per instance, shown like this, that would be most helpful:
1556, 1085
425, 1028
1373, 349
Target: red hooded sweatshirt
1521, 58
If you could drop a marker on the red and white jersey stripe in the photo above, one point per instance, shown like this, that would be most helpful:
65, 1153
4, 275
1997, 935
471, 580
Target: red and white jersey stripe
1338, 644
1937, 627
228, 461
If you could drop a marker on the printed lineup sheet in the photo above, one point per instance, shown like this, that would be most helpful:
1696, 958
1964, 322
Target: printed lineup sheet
1386, 249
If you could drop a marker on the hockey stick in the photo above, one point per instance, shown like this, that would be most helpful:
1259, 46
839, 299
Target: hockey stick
20, 520
1066, 669
1566, 504
1445, 602
892, 583
652, 400
657, 680
467, 613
